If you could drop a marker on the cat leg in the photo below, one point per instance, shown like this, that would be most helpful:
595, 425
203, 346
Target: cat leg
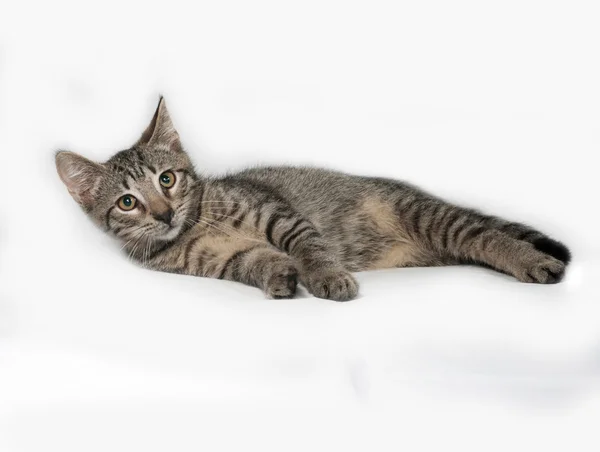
320, 271
271, 270
500, 251
466, 235
539, 240
221, 256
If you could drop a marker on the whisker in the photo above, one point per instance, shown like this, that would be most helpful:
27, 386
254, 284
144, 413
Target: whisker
185, 203
215, 201
242, 222
138, 237
233, 233
211, 225
136, 234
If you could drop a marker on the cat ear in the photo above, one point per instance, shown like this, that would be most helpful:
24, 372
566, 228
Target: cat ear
161, 130
81, 176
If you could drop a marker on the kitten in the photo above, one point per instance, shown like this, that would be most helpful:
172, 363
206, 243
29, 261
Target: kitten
272, 227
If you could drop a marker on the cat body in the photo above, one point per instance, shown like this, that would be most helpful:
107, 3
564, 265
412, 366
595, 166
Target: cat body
273, 227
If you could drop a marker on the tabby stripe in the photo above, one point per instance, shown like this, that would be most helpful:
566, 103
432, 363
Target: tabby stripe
107, 219
471, 234
221, 212
130, 174
486, 242
416, 220
257, 219
453, 237
432, 221
126, 185
494, 222
236, 256
404, 208
151, 168
449, 224
408, 203
288, 241
200, 206
239, 220
201, 259
188, 250
160, 250
271, 225
440, 222
294, 242
235, 210
289, 232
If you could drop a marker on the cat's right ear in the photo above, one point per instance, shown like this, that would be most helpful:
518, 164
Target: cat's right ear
81, 176
161, 130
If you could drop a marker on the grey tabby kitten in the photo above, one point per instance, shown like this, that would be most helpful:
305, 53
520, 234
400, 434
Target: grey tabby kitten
272, 227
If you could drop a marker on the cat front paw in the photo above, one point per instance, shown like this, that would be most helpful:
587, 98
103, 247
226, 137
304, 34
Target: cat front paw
338, 285
282, 282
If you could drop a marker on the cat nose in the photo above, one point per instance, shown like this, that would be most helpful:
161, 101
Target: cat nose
165, 216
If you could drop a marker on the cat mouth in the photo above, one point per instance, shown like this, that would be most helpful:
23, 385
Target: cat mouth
171, 232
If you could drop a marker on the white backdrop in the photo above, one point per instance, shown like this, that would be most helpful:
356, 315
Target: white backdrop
492, 104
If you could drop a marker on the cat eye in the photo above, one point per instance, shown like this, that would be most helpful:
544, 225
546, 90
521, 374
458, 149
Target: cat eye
127, 202
167, 179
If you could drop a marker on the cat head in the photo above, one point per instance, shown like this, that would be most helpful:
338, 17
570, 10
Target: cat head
146, 191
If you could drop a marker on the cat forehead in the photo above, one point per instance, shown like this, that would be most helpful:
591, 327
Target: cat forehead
138, 159
131, 157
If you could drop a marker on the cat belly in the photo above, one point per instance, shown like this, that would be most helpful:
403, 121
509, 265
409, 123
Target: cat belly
398, 255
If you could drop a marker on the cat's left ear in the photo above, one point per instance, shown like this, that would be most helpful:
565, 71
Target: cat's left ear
161, 130
81, 176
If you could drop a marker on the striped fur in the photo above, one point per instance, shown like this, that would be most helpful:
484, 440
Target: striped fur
274, 226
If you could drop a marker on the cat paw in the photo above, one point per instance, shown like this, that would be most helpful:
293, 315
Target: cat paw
283, 281
338, 285
546, 270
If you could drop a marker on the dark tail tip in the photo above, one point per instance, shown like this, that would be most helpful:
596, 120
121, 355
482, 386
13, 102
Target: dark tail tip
554, 248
